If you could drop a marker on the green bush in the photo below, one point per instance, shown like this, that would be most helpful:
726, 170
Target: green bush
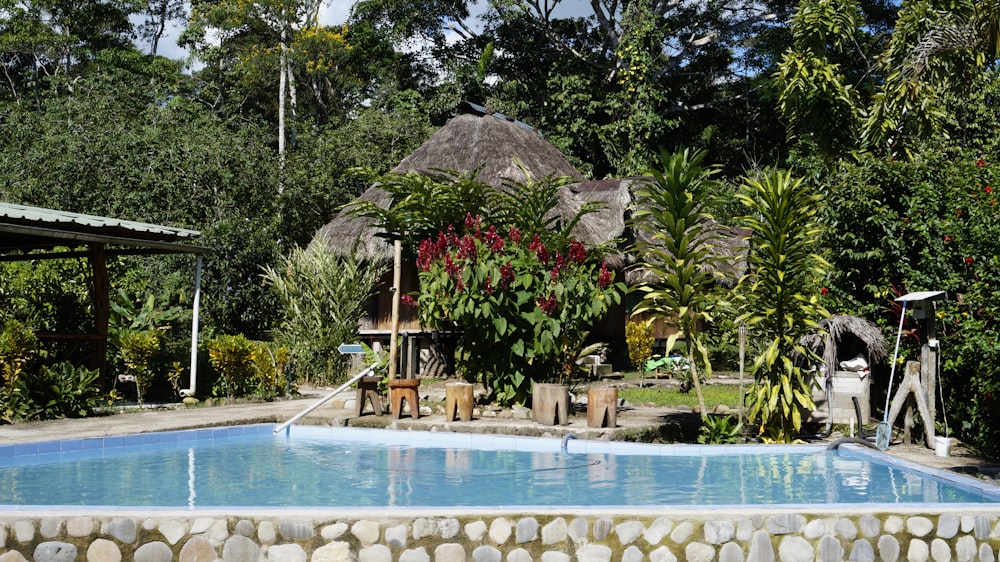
18, 348
138, 348
233, 358
323, 297
524, 307
65, 390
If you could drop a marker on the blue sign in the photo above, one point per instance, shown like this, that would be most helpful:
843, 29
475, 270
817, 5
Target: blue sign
350, 348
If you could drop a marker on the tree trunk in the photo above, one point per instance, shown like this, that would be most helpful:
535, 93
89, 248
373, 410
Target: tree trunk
282, 86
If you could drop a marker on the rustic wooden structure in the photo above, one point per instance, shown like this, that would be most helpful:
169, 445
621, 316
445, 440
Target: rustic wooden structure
458, 401
34, 233
401, 390
368, 394
550, 403
602, 406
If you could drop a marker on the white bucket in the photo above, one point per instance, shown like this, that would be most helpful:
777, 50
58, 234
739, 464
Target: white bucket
942, 446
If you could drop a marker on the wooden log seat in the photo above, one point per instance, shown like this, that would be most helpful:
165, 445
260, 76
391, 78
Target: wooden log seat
602, 406
550, 404
404, 389
458, 401
368, 393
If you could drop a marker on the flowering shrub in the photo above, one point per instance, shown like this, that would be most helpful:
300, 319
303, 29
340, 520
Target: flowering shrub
524, 308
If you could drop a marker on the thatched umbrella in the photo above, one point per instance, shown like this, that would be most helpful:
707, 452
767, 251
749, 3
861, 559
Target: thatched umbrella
852, 331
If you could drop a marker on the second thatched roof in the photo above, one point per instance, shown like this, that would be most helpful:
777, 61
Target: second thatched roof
841, 328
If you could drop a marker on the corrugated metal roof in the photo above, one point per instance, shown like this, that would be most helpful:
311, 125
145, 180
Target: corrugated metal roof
25, 229
40, 215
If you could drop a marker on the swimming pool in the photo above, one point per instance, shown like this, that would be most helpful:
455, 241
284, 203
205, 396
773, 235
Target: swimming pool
312, 467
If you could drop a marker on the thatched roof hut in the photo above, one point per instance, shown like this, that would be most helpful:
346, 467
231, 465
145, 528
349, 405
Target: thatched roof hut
501, 149
846, 336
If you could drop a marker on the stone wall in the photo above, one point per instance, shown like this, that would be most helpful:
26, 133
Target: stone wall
387, 536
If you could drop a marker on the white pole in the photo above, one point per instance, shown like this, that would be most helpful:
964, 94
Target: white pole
194, 330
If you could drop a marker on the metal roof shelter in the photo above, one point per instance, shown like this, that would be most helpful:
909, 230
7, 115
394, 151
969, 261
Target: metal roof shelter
34, 233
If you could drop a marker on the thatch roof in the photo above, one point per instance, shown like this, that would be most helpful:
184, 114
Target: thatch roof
843, 329
502, 149
499, 147
618, 196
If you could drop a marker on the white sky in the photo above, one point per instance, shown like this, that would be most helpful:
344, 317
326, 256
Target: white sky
336, 13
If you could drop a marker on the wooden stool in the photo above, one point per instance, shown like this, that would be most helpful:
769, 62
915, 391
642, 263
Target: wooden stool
550, 404
404, 389
458, 401
602, 406
368, 392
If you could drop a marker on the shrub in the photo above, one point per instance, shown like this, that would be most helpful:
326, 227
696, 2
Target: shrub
233, 358
524, 308
138, 348
778, 302
18, 347
66, 390
323, 298
639, 338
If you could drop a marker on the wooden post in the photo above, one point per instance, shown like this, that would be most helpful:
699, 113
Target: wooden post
102, 312
397, 266
928, 363
911, 386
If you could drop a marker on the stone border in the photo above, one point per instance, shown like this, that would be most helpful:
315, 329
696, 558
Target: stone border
384, 536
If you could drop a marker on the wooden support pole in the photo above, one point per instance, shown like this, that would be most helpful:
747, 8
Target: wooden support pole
102, 311
397, 266
911, 384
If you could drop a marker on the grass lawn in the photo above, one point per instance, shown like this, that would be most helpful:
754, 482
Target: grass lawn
715, 394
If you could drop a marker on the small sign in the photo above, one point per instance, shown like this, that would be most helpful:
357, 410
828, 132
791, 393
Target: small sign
350, 348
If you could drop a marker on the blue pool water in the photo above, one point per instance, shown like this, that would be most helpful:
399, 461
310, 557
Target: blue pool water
344, 467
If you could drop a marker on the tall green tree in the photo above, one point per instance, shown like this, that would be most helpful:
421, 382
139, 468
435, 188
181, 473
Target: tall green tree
678, 251
816, 100
781, 294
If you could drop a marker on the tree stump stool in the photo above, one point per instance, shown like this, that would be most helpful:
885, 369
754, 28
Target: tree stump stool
602, 406
404, 389
368, 392
550, 404
458, 401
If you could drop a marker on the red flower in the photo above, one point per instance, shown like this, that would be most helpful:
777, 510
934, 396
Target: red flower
548, 305
471, 222
824, 291
981, 163
489, 285
450, 267
514, 234
958, 212
539, 248
408, 300
968, 261
604, 277
577, 252
947, 239
988, 189
506, 275
493, 239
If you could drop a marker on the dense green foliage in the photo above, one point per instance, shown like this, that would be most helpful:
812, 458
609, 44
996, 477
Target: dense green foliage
323, 297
